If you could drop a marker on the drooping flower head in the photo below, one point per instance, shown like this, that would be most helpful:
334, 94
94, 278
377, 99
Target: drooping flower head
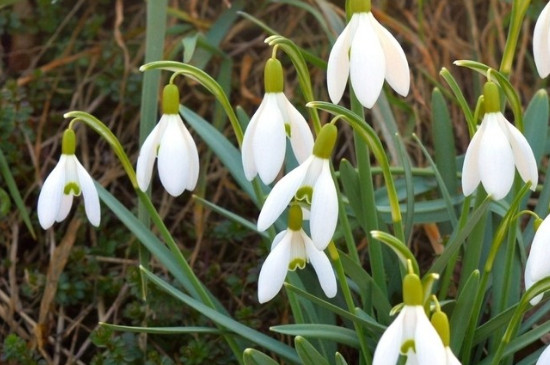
312, 183
541, 42
411, 334
496, 150
291, 250
369, 54
68, 179
264, 143
544, 358
171, 142
536, 267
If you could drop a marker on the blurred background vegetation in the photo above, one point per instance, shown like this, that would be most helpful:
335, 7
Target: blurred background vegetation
63, 55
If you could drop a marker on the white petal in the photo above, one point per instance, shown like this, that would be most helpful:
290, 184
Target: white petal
278, 238
470, 169
249, 165
388, 348
451, 358
89, 193
541, 42
273, 271
367, 62
338, 62
523, 154
324, 209
428, 345
301, 138
537, 267
173, 158
281, 194
64, 207
148, 153
544, 358
193, 156
397, 67
269, 143
496, 160
49, 199
322, 266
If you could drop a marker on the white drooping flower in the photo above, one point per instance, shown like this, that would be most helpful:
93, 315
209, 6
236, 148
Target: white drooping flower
536, 267
292, 249
171, 142
369, 54
544, 358
411, 334
264, 142
541, 45
311, 181
68, 179
496, 150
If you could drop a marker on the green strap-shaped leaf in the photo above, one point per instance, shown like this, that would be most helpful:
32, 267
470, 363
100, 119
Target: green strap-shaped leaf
308, 354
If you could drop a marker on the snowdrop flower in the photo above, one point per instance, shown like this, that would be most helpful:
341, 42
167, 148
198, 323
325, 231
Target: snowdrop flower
292, 249
264, 143
495, 149
311, 182
544, 358
541, 45
537, 267
411, 334
67, 179
178, 159
369, 54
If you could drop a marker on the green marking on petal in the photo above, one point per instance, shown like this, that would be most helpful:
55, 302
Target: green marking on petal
305, 193
71, 188
288, 130
297, 263
407, 346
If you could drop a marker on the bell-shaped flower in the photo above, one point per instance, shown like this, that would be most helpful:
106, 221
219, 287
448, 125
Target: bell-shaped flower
369, 54
292, 249
178, 159
537, 267
411, 334
544, 358
67, 179
311, 181
541, 45
495, 151
264, 143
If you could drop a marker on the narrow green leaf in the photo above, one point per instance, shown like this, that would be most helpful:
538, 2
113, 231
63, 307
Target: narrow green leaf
339, 359
443, 141
338, 334
536, 123
255, 357
15, 194
462, 311
232, 325
308, 354
163, 330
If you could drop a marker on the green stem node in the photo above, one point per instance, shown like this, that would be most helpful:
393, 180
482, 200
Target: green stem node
412, 290
273, 76
295, 217
68, 144
441, 325
324, 144
170, 99
358, 6
491, 97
